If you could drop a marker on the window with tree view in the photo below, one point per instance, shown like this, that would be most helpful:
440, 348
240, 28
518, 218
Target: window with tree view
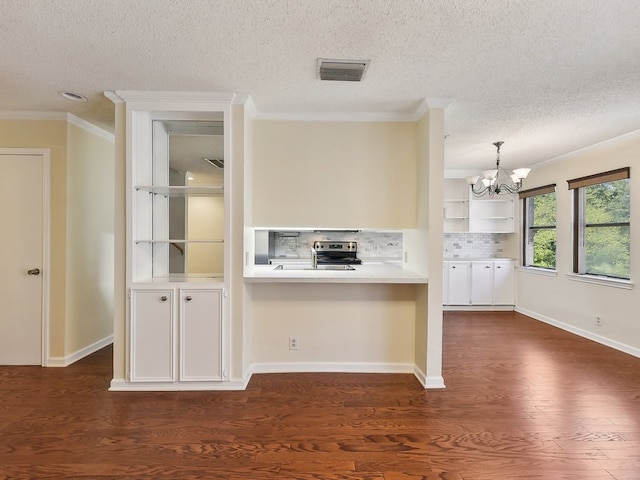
602, 224
539, 238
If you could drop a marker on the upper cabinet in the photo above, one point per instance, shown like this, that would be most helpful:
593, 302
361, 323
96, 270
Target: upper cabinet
491, 215
465, 213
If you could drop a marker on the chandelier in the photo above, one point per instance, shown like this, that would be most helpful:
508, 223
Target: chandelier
498, 181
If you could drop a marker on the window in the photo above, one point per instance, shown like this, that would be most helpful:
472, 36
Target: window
601, 239
539, 235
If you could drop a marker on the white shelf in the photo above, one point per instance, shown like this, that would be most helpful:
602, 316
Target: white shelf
181, 191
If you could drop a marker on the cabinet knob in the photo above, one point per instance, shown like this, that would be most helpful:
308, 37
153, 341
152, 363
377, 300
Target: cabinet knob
498, 266
163, 298
188, 298
453, 266
487, 266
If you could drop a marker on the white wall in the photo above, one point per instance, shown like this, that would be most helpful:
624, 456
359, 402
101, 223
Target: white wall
570, 304
90, 257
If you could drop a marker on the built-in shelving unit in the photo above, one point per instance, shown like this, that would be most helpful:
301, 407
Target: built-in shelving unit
178, 213
465, 213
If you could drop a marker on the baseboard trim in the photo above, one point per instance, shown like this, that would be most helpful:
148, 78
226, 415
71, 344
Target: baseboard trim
478, 308
581, 332
121, 385
331, 367
84, 352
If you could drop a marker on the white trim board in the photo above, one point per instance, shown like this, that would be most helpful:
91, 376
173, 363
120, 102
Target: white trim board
582, 333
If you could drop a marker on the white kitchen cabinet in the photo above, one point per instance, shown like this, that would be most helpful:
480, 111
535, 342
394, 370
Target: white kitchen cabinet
201, 335
459, 283
481, 283
504, 282
151, 336
464, 212
491, 215
167, 338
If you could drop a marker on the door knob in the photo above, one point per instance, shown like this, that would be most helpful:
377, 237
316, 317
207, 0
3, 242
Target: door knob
33, 271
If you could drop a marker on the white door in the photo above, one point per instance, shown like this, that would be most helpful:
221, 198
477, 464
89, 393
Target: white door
22, 193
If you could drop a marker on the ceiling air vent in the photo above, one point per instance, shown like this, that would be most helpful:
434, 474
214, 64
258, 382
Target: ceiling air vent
216, 162
342, 70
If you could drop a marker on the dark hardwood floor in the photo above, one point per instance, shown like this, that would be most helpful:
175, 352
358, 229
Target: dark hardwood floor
523, 401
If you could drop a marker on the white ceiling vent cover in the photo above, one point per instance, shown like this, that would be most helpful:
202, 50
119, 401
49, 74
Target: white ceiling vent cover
342, 70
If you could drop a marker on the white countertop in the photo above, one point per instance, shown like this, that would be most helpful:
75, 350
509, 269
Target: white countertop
374, 272
476, 259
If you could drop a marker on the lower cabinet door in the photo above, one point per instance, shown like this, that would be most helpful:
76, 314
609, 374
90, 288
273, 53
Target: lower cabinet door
151, 336
201, 335
481, 283
504, 283
459, 283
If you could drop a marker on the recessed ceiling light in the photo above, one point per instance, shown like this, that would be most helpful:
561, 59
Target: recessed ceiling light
75, 97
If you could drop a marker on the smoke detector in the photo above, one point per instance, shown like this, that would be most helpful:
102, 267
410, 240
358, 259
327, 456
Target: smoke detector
342, 70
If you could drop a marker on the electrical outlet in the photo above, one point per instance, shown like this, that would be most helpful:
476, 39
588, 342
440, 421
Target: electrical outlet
598, 320
293, 343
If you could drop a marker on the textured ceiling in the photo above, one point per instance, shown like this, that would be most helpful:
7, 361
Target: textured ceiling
546, 76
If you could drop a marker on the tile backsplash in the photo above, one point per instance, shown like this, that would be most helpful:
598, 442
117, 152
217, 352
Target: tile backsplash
475, 245
371, 245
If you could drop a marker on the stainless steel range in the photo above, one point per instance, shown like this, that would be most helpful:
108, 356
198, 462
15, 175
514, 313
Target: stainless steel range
336, 253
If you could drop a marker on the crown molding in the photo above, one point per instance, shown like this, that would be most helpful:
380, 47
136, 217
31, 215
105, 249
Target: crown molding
119, 96
240, 98
90, 127
336, 116
250, 108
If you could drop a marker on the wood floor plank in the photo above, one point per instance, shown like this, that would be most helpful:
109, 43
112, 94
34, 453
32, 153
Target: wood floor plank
524, 400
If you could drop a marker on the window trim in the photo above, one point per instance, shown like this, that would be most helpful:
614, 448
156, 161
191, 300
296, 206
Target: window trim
580, 225
534, 192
